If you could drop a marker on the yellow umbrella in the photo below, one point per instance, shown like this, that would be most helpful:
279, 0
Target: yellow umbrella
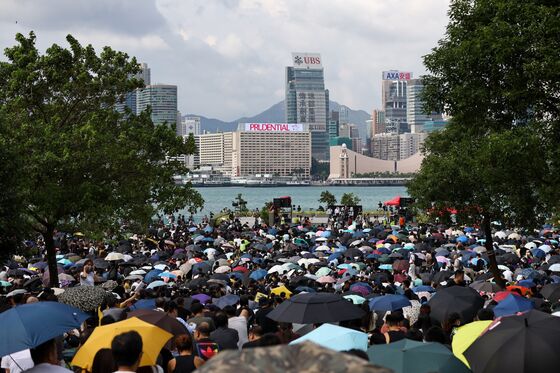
465, 336
78, 234
153, 340
282, 289
152, 241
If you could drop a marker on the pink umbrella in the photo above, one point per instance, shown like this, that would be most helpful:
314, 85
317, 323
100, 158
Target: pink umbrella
326, 280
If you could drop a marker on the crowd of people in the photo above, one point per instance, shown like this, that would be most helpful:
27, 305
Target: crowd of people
221, 281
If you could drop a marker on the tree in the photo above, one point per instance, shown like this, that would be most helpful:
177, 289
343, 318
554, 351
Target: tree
350, 199
327, 198
82, 163
496, 74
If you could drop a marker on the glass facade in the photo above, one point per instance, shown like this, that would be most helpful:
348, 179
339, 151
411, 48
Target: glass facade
163, 101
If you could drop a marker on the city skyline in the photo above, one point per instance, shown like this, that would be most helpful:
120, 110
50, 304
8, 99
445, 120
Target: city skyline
227, 57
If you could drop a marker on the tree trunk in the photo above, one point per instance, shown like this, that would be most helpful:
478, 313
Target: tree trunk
491, 253
51, 256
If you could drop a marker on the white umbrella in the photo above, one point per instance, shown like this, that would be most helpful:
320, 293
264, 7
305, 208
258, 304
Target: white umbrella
500, 234
161, 267
276, 269
479, 249
222, 269
356, 243
114, 256
138, 272
514, 236
530, 245
555, 267
133, 277
323, 248
503, 267
320, 239
545, 248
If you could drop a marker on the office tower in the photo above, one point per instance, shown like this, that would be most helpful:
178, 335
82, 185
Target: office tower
188, 125
131, 97
307, 100
415, 115
162, 99
393, 95
377, 123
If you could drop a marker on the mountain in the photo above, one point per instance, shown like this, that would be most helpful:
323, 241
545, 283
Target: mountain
275, 114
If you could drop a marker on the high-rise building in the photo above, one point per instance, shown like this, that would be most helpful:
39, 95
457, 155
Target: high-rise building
393, 147
215, 149
377, 123
131, 97
307, 100
393, 95
188, 125
162, 99
415, 115
410, 144
271, 148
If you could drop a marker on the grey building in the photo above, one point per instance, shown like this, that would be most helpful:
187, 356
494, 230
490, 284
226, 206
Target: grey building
415, 115
131, 97
393, 95
307, 100
162, 99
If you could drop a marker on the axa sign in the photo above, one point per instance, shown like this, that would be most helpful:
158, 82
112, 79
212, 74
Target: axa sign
397, 75
306, 60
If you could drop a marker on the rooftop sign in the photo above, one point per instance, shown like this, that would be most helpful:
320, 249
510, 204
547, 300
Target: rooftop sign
306, 60
272, 127
397, 75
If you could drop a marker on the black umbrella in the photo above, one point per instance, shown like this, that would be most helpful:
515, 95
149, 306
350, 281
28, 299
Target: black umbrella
463, 300
524, 343
508, 258
101, 263
442, 276
485, 286
311, 308
353, 252
551, 292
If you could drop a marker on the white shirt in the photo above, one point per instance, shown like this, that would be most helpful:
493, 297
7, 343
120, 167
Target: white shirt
48, 368
239, 323
17, 362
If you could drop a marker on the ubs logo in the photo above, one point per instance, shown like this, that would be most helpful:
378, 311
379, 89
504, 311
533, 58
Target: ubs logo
298, 60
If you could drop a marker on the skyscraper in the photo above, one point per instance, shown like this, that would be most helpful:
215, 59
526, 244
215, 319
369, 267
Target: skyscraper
415, 115
393, 95
307, 100
162, 99
131, 97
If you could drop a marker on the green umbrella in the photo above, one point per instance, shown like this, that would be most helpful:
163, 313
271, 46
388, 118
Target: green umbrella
356, 299
384, 259
416, 357
5, 284
323, 271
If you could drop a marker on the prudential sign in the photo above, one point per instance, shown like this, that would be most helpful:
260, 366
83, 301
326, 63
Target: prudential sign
307, 60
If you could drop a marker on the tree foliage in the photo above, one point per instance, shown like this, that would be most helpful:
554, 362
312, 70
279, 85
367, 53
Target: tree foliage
327, 198
350, 199
80, 162
497, 74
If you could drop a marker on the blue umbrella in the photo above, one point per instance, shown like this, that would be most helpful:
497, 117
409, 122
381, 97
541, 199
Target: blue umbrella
334, 256
389, 302
387, 267
207, 239
462, 239
208, 229
538, 253
336, 337
513, 304
258, 274
530, 273
305, 289
29, 325
420, 288
156, 284
144, 304
153, 275
226, 300
168, 275
526, 283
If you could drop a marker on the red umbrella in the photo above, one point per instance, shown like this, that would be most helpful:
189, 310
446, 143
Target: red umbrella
240, 269
393, 202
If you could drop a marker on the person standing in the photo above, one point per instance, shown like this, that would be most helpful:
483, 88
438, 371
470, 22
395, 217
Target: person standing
186, 362
127, 351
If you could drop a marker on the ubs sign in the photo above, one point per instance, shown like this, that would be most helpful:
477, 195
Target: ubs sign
397, 75
306, 60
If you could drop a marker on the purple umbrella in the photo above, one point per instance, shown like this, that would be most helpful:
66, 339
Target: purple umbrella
360, 289
40, 265
203, 298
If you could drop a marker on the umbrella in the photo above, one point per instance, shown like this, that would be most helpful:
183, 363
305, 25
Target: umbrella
323, 271
144, 304
485, 286
5, 284
326, 280
513, 304
389, 302
463, 300
282, 289
222, 269
153, 339
401, 265
160, 319
114, 256
465, 336
336, 337
85, 298
551, 292
301, 357
226, 300
311, 308
203, 298
524, 343
258, 274
153, 275
356, 299
29, 325
168, 275
407, 356
156, 284
554, 268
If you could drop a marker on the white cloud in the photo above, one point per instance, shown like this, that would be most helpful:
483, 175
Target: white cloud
228, 56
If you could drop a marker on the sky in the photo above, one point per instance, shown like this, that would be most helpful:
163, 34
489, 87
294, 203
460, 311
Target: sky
228, 57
